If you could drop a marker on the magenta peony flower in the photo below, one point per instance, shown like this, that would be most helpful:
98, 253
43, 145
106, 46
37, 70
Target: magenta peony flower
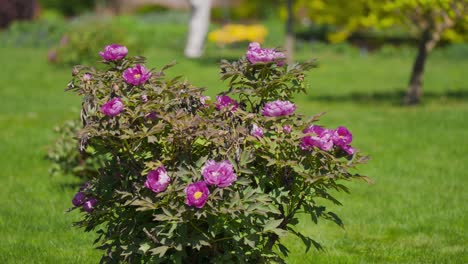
255, 54
256, 131
219, 174
136, 75
79, 199
348, 149
287, 129
223, 101
114, 52
342, 136
197, 194
157, 180
113, 107
321, 138
89, 205
278, 108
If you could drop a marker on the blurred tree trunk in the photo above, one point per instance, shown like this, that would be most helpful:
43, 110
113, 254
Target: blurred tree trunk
414, 93
290, 32
198, 28
11, 10
432, 30
107, 7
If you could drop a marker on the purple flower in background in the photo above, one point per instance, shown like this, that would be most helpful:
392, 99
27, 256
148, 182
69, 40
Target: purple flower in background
256, 131
197, 193
113, 107
256, 54
64, 40
157, 180
223, 101
136, 75
79, 199
89, 205
321, 138
114, 52
278, 108
287, 129
144, 98
342, 136
52, 55
219, 174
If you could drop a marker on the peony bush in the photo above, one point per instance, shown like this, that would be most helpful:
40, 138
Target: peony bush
187, 179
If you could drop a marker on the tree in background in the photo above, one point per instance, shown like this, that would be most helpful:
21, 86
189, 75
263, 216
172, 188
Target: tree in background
198, 27
427, 19
290, 31
11, 10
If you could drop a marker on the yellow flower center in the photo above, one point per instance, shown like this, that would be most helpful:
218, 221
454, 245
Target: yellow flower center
197, 195
137, 76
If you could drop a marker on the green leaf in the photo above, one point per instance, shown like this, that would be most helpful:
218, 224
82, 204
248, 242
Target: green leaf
144, 247
161, 251
272, 224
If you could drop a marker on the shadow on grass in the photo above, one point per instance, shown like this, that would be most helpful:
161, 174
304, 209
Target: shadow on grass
389, 97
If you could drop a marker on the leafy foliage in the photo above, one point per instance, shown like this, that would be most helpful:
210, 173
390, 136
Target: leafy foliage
65, 157
352, 16
83, 41
175, 128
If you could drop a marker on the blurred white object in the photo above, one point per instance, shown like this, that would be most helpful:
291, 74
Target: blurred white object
198, 28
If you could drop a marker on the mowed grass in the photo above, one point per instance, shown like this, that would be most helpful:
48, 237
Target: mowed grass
415, 212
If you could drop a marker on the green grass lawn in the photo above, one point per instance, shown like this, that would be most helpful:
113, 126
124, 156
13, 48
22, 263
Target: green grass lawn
415, 212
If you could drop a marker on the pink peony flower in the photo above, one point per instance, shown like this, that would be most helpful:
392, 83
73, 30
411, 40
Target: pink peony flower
321, 138
287, 129
278, 108
136, 75
348, 149
87, 77
79, 199
157, 180
197, 193
204, 99
114, 52
223, 101
256, 131
89, 205
255, 54
219, 174
342, 136
113, 107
